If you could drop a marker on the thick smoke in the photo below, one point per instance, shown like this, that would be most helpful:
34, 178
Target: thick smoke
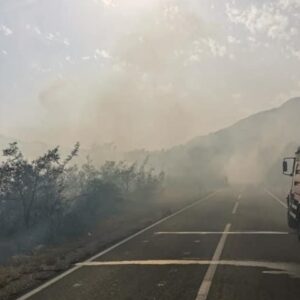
146, 94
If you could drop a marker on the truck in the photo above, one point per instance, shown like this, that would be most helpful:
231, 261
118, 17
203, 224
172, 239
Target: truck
291, 167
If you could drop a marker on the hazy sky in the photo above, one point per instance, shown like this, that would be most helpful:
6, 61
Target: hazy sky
142, 73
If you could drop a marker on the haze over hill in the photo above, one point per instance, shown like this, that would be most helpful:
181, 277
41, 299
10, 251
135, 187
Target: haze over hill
250, 151
31, 149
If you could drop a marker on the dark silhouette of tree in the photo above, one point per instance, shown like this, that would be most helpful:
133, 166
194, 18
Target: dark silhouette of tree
33, 189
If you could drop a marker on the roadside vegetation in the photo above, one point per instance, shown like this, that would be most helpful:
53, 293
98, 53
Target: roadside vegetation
51, 200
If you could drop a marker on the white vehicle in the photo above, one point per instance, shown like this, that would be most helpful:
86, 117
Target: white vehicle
291, 167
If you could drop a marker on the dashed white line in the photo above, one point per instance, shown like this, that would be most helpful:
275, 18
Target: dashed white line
235, 208
210, 273
293, 214
294, 206
61, 276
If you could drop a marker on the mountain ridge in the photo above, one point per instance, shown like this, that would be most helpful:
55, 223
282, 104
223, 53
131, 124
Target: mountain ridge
244, 152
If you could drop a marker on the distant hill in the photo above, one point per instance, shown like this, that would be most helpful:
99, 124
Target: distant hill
250, 151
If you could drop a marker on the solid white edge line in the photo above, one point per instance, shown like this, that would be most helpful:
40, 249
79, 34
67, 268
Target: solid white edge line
210, 273
48, 283
276, 198
64, 274
235, 208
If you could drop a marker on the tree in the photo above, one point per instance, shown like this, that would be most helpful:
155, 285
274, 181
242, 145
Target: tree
33, 189
121, 174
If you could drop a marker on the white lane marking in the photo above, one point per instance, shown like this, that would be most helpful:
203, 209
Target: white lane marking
294, 206
48, 283
163, 262
61, 276
274, 272
162, 284
289, 268
221, 232
293, 214
210, 273
235, 208
276, 198
151, 226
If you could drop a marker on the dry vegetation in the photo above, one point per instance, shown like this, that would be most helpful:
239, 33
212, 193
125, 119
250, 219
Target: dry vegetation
54, 214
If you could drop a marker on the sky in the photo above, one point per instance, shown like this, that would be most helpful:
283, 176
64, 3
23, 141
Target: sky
142, 73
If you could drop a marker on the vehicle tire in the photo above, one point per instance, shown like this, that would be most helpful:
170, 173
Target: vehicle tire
298, 231
291, 221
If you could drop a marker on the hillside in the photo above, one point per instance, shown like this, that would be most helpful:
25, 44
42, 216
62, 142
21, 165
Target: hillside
250, 151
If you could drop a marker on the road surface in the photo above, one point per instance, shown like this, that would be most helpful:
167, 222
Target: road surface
233, 244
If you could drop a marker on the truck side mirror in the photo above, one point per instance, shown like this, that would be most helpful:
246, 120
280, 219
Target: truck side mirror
288, 166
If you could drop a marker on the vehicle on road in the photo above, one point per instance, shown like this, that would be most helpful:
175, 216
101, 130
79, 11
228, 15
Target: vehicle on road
291, 167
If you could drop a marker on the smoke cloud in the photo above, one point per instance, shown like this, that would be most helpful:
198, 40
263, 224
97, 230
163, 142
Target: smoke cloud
141, 74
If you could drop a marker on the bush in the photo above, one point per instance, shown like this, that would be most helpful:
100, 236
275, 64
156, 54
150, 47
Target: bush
47, 199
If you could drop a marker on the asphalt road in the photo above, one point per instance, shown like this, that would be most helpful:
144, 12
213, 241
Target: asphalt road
234, 244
